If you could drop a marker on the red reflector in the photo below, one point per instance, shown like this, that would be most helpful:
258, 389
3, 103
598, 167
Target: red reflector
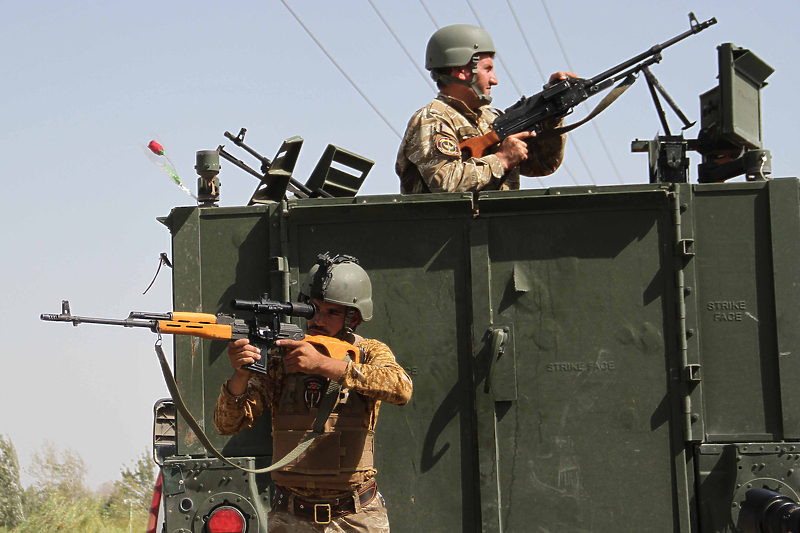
226, 520
155, 504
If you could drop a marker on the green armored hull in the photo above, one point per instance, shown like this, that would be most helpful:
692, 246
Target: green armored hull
584, 359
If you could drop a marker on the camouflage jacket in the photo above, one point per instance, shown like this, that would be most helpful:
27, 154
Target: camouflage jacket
379, 378
429, 159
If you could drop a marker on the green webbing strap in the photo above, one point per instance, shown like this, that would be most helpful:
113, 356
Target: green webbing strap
326, 406
615, 93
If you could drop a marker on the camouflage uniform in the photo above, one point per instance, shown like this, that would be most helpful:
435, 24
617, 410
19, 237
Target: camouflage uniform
429, 159
379, 378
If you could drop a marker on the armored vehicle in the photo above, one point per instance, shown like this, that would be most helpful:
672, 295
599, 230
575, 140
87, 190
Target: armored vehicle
583, 358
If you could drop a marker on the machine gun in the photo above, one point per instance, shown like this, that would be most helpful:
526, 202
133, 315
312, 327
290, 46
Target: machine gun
227, 327
558, 99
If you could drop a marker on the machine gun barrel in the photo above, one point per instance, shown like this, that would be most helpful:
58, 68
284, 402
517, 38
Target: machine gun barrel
239, 163
695, 27
294, 185
239, 141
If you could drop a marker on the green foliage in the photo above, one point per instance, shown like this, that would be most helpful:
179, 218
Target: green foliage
133, 493
58, 501
10, 487
58, 514
137, 482
56, 473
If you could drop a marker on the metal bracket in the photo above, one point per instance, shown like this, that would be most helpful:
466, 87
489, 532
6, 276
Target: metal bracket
691, 373
499, 337
684, 247
501, 375
172, 477
278, 264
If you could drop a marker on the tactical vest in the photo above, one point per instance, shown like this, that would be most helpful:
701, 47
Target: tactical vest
335, 457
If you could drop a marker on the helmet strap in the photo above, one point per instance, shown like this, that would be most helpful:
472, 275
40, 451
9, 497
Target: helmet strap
484, 99
347, 329
447, 79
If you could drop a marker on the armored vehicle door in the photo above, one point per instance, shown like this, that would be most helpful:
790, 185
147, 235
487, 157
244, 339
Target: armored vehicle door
572, 294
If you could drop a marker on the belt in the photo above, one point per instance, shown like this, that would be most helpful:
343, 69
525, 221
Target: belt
321, 511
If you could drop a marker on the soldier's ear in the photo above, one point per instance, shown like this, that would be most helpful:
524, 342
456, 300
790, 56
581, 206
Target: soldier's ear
462, 73
355, 320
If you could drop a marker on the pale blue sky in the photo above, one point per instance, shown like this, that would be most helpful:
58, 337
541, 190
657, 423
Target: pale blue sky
85, 82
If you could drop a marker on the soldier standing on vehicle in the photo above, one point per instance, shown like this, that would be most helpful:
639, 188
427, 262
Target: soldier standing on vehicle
460, 58
334, 481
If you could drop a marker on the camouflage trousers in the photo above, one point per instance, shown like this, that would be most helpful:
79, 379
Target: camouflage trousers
372, 519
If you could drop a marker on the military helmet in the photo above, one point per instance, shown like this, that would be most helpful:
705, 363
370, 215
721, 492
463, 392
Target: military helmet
455, 45
339, 280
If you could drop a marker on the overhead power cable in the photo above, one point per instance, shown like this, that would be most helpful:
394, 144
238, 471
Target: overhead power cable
428, 11
364, 96
396, 38
545, 78
594, 124
510, 77
541, 73
496, 54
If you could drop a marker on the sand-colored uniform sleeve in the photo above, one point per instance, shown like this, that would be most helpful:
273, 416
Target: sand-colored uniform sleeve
546, 154
379, 377
429, 152
235, 413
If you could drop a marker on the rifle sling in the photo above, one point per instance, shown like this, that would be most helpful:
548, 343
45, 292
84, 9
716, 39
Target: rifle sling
609, 99
326, 406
